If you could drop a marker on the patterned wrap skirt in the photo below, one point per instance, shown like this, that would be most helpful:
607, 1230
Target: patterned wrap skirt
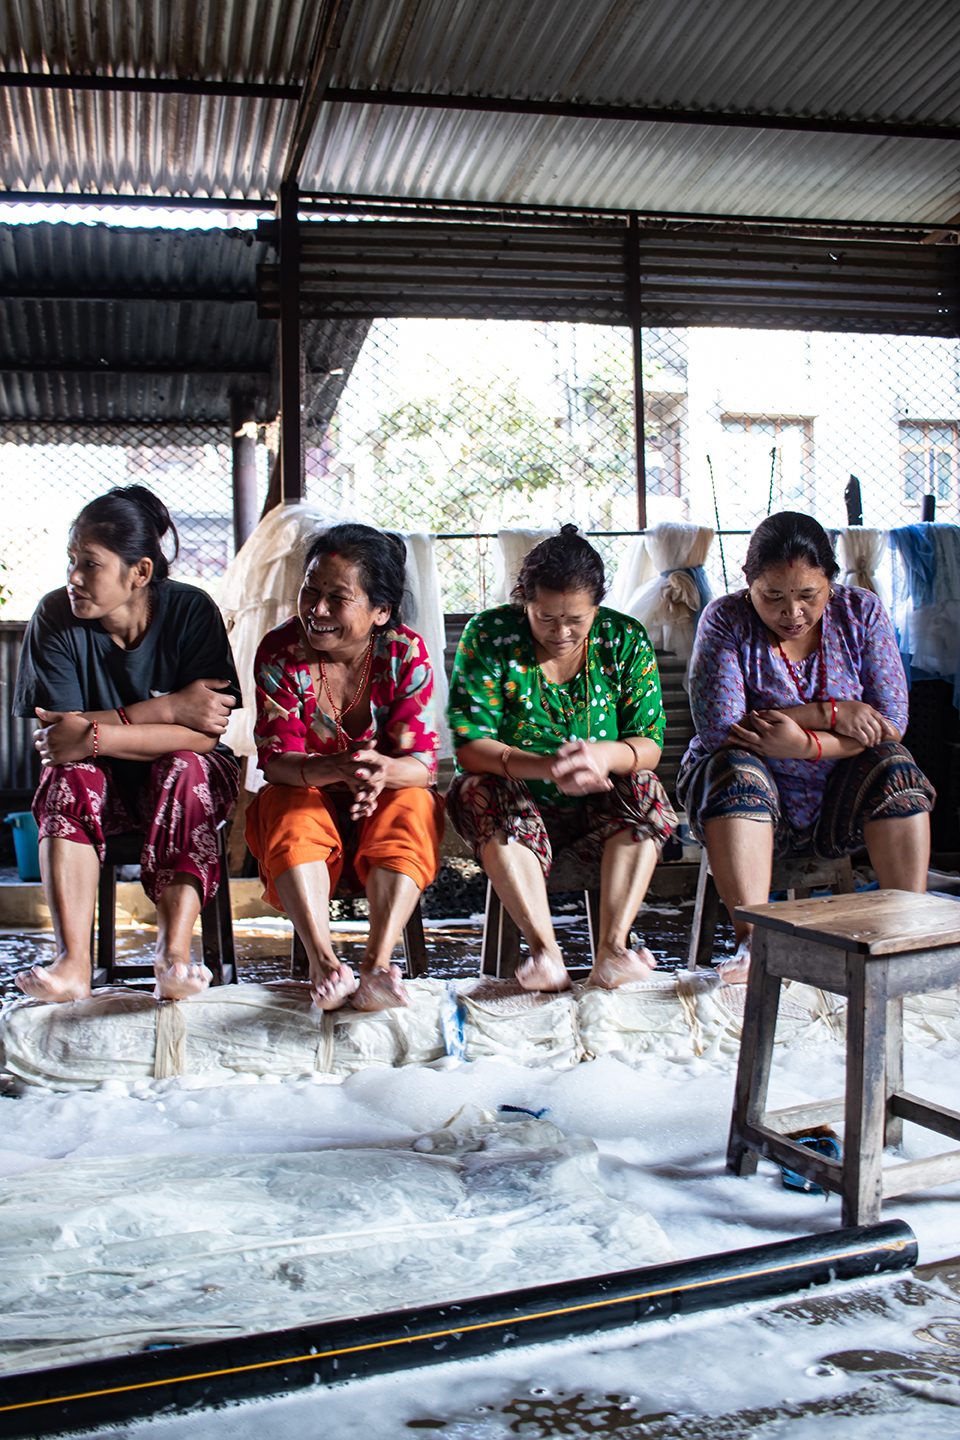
481, 805
881, 783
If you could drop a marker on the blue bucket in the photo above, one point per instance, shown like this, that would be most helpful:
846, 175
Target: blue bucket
26, 840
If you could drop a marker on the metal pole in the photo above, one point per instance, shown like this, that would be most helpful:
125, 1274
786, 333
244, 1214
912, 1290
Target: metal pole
243, 438
291, 395
635, 311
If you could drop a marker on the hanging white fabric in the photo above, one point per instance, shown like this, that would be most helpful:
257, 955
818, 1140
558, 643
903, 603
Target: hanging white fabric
260, 586
862, 552
669, 605
508, 555
634, 570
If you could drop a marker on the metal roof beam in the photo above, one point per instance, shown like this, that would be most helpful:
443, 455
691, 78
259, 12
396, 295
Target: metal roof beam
149, 85
10, 366
156, 202
100, 297
570, 110
333, 15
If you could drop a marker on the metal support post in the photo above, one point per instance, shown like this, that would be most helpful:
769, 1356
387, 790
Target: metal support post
635, 311
291, 377
243, 438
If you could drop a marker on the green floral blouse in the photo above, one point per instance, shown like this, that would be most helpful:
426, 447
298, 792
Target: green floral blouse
499, 692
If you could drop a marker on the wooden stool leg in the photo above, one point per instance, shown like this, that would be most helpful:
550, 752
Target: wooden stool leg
592, 897
756, 1056
501, 940
299, 964
107, 923
866, 1096
706, 918
414, 944
893, 1133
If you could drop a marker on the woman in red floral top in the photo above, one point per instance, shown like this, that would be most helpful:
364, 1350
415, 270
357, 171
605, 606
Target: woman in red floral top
347, 739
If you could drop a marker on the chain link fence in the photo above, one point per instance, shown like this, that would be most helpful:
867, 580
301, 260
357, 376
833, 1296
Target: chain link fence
49, 472
465, 427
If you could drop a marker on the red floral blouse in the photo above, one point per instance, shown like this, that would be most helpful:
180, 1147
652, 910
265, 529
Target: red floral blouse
289, 716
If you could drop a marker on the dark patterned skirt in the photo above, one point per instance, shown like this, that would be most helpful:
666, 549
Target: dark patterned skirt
881, 783
481, 805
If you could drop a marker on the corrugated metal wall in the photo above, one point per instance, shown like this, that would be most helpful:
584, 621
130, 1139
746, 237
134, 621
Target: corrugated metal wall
687, 277
19, 761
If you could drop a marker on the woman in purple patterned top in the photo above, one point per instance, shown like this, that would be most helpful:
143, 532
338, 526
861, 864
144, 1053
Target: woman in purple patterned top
800, 702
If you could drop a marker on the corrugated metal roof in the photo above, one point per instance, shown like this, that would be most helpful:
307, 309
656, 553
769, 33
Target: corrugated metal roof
866, 59
878, 60
433, 154
84, 336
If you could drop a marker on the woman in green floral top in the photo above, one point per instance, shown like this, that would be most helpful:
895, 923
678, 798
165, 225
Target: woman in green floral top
556, 714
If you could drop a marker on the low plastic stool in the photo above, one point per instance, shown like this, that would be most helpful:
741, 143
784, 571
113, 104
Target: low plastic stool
798, 875
874, 948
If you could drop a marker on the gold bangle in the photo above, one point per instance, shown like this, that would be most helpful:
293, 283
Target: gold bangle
636, 758
303, 779
507, 750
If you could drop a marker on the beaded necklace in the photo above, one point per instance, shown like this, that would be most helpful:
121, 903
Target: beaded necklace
795, 677
339, 714
569, 713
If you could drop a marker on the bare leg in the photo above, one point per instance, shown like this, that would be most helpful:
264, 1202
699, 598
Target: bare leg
392, 896
515, 874
178, 977
624, 876
741, 858
70, 872
899, 851
305, 892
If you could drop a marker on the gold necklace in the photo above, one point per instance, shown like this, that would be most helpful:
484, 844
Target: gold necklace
570, 714
339, 714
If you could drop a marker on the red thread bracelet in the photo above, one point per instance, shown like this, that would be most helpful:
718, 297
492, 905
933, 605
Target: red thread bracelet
124, 717
833, 713
816, 740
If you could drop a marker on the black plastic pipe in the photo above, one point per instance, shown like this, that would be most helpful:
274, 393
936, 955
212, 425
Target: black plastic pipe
111, 1391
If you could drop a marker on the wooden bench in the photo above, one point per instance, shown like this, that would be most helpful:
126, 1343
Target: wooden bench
874, 948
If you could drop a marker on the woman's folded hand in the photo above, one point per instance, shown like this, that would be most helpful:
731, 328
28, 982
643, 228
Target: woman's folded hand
771, 733
861, 722
202, 706
64, 737
579, 769
366, 775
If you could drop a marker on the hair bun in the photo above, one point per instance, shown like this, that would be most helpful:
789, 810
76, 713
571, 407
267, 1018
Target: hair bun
569, 530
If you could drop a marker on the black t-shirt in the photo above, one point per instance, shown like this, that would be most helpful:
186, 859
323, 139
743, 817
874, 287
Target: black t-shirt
72, 664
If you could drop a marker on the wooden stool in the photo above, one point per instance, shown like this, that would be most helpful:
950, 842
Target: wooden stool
798, 875
874, 948
500, 952
216, 920
414, 949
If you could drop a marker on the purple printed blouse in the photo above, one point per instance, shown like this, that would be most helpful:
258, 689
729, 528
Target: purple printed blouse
736, 668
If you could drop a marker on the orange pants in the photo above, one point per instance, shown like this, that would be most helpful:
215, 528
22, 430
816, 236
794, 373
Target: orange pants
288, 825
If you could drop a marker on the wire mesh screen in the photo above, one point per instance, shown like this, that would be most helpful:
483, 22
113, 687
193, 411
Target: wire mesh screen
461, 428
464, 427
49, 472
740, 423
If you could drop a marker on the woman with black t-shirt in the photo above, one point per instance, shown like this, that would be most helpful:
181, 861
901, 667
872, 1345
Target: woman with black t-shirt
131, 677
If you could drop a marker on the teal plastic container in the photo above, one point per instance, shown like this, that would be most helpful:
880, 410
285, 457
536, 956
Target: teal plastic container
26, 840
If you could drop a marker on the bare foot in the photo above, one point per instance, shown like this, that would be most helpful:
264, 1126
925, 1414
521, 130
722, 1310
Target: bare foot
380, 989
181, 980
333, 988
543, 972
735, 970
58, 983
618, 967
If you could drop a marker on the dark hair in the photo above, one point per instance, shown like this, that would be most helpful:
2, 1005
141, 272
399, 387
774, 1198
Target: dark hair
380, 558
790, 535
564, 562
131, 522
